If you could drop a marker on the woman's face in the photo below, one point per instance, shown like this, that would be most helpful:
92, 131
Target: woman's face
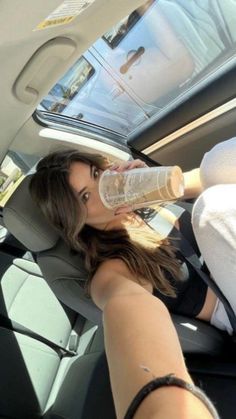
84, 181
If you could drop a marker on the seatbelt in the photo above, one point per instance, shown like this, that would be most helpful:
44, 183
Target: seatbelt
19, 328
190, 256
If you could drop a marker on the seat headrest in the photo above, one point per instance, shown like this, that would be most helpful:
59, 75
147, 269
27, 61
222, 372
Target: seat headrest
26, 222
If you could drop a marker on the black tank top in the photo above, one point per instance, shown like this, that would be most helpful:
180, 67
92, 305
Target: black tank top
191, 290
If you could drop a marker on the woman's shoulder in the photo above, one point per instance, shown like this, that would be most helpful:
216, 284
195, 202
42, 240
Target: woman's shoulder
113, 277
112, 266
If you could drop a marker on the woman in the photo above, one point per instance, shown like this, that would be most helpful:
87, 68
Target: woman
128, 262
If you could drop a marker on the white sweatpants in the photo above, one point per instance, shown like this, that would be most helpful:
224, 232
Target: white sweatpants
214, 225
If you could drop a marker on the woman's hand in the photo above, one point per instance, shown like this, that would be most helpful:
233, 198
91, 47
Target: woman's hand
128, 165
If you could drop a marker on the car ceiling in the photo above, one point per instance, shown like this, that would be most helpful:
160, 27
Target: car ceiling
20, 48
20, 41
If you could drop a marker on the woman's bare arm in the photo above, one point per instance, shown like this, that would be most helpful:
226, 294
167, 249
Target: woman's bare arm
193, 186
139, 334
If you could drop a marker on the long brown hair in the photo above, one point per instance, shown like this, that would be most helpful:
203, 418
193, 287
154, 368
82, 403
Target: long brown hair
144, 253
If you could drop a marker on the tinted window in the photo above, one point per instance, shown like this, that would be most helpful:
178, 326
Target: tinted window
150, 62
11, 174
66, 89
114, 36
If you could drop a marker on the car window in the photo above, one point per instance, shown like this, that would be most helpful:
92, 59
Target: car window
12, 171
68, 87
150, 62
114, 36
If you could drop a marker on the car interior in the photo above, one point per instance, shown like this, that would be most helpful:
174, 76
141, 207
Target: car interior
103, 56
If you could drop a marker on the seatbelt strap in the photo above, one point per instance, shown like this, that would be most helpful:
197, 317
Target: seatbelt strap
19, 328
189, 254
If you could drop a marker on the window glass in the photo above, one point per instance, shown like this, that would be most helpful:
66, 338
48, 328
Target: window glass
118, 32
68, 87
12, 171
147, 64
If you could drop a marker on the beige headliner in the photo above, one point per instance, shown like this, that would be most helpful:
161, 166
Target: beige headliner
19, 42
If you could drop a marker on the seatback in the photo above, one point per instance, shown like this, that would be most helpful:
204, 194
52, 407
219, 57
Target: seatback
35, 372
65, 273
63, 270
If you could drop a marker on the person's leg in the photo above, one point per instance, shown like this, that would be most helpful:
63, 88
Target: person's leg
214, 224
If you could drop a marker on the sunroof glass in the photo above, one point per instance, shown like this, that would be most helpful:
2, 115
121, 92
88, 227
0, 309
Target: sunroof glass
146, 64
